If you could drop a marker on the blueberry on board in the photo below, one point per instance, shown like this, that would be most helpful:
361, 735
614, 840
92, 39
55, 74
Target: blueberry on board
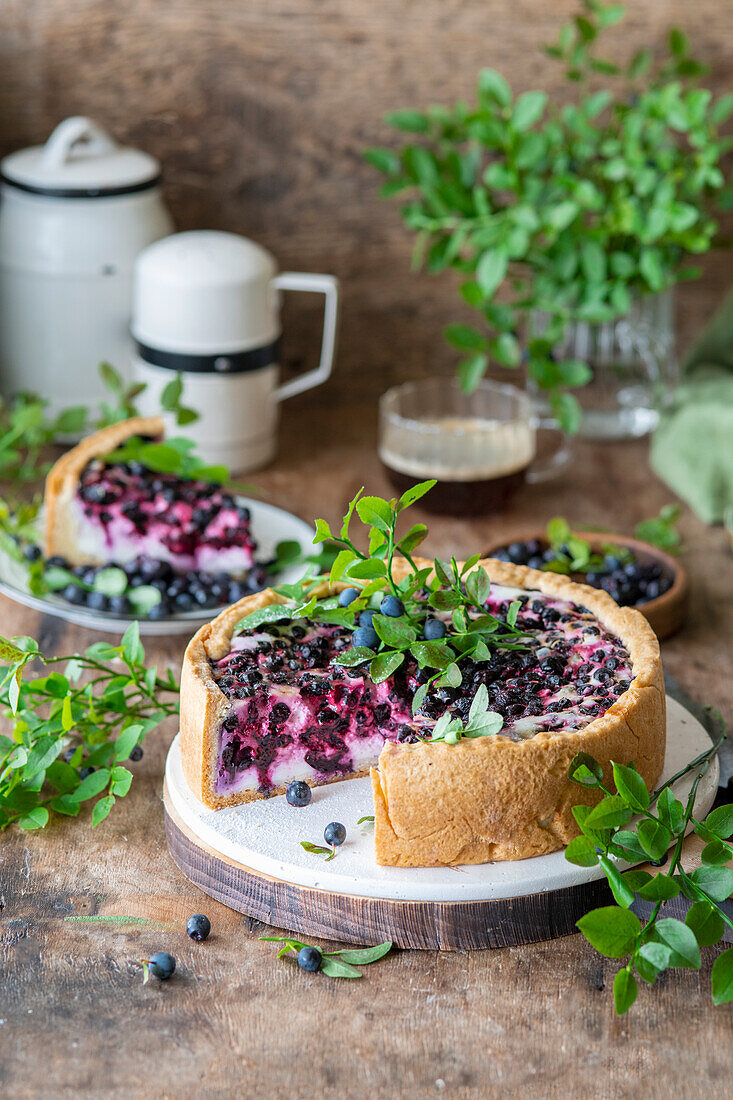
366, 617
392, 607
309, 958
97, 601
348, 596
73, 593
136, 754
32, 552
198, 927
334, 833
162, 965
365, 636
298, 793
433, 630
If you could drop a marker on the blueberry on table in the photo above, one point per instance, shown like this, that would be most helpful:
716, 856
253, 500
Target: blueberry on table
136, 754
198, 927
433, 630
298, 793
334, 834
348, 596
365, 636
392, 607
309, 958
162, 965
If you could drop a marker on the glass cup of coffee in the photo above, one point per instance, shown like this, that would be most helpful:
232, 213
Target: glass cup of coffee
479, 446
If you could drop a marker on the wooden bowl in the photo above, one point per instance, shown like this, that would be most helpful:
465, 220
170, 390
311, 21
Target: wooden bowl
667, 612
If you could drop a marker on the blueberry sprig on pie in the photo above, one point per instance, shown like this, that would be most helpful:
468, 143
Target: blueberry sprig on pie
125, 496
472, 685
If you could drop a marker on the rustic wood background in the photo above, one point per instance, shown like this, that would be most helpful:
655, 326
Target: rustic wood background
259, 111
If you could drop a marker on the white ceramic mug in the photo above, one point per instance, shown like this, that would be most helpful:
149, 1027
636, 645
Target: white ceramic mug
207, 305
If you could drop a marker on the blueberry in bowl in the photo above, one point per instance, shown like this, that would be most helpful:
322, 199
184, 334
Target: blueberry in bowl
633, 573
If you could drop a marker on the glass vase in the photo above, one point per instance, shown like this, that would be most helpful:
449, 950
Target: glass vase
633, 366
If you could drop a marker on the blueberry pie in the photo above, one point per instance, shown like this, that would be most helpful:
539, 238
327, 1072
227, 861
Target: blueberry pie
98, 511
265, 707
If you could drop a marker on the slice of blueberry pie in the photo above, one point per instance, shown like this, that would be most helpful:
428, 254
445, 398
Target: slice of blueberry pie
101, 511
267, 705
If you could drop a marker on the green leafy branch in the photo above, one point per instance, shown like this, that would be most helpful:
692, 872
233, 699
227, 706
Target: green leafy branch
425, 592
565, 211
482, 722
608, 835
73, 731
335, 964
173, 456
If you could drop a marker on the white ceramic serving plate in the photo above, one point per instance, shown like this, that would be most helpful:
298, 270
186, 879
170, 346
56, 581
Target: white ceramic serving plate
265, 836
270, 525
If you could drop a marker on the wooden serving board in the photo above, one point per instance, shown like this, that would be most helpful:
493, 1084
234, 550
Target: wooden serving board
249, 857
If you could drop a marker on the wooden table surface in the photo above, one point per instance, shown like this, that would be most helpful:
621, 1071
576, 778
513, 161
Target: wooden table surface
537, 1020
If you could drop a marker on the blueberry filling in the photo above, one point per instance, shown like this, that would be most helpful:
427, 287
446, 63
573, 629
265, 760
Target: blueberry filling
295, 714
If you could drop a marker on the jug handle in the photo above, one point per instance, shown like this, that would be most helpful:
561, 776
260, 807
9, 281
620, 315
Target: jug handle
68, 133
318, 284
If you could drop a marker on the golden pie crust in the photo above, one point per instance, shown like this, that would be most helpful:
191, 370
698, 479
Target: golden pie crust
479, 800
63, 478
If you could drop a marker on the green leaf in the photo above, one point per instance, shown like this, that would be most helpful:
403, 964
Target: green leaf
494, 87
610, 813
361, 956
625, 991
717, 882
384, 160
120, 782
34, 819
471, 371
414, 493
410, 121
357, 655
490, 270
334, 967
722, 978
67, 720
682, 941
93, 784
102, 809
126, 742
384, 664
432, 654
611, 930
132, 647
366, 570
654, 838
631, 786
567, 410
706, 923
465, 337
582, 851
318, 849
658, 955
528, 109
671, 811
323, 531
394, 632
620, 890
585, 770
375, 512
720, 821
660, 888
9, 653
412, 539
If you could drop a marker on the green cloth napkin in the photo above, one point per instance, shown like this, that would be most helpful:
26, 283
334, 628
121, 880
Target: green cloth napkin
692, 448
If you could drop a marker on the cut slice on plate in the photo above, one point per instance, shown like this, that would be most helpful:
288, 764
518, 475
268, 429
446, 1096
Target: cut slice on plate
100, 511
262, 707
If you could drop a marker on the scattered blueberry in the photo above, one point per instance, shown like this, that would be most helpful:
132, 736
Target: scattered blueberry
198, 927
334, 833
348, 596
298, 793
391, 606
365, 636
162, 965
433, 630
136, 754
309, 958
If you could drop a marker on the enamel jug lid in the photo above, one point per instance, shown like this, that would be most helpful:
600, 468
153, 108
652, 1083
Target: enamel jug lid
80, 160
204, 293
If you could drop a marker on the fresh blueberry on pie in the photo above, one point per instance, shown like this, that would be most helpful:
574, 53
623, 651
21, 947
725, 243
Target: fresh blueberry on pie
99, 510
266, 706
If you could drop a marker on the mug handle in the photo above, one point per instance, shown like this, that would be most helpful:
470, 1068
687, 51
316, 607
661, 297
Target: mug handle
318, 284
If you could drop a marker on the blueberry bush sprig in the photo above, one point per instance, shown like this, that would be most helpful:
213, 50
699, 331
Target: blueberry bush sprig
334, 964
662, 530
171, 456
73, 731
437, 614
572, 554
609, 835
572, 209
